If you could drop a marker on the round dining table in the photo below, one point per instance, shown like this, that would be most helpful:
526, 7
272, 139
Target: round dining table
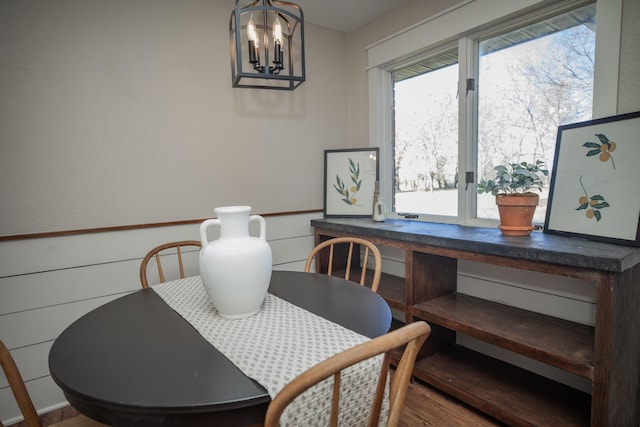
135, 361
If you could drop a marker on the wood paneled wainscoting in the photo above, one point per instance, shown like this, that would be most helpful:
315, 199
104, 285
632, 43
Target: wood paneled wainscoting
604, 354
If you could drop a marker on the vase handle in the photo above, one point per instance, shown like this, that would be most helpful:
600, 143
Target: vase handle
263, 225
203, 231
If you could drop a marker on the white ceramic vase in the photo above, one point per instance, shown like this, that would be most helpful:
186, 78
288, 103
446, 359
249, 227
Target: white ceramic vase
235, 268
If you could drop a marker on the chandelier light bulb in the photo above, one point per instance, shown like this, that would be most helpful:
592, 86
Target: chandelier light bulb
277, 31
252, 34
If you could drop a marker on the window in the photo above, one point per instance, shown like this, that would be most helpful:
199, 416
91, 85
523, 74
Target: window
426, 136
520, 82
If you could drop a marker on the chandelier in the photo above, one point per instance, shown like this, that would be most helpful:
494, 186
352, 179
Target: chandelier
267, 45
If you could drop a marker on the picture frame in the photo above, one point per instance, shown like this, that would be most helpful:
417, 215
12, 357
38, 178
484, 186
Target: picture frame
350, 176
595, 183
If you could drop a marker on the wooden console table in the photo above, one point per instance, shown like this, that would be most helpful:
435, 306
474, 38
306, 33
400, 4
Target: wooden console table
607, 354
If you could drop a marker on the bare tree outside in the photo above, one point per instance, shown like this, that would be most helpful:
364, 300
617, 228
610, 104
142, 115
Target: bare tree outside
426, 141
531, 81
546, 82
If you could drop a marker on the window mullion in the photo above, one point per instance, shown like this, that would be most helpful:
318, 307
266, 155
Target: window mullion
381, 128
468, 112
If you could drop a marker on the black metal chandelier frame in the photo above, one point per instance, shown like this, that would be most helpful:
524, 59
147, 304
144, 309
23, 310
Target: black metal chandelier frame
267, 45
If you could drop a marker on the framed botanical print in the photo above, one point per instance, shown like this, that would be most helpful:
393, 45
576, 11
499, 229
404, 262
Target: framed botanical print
350, 176
595, 183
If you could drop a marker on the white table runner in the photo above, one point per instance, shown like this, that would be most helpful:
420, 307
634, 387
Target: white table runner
276, 345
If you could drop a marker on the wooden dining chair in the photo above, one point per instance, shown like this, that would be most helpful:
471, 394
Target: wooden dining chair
412, 335
330, 253
18, 388
172, 248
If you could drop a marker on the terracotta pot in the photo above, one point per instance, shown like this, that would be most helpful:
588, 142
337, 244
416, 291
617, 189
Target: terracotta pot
516, 213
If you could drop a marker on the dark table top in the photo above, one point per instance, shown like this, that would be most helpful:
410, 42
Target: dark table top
135, 361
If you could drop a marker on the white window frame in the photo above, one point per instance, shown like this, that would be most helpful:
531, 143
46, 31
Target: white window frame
475, 18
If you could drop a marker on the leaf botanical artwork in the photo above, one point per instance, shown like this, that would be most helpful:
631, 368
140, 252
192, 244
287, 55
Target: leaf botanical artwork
349, 194
602, 149
350, 176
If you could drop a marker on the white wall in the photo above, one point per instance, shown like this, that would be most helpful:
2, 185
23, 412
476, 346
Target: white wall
629, 90
48, 283
122, 112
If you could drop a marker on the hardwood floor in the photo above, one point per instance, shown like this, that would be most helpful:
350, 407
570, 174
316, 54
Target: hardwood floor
424, 406
78, 421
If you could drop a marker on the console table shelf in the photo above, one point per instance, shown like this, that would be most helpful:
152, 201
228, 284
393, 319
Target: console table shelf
563, 344
607, 354
510, 394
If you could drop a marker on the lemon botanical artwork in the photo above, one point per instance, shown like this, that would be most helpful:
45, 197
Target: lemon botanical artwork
592, 195
602, 149
349, 181
591, 204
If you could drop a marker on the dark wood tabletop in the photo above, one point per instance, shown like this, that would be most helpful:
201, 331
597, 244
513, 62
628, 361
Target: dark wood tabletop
135, 361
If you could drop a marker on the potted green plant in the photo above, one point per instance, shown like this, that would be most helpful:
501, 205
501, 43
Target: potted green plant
512, 186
